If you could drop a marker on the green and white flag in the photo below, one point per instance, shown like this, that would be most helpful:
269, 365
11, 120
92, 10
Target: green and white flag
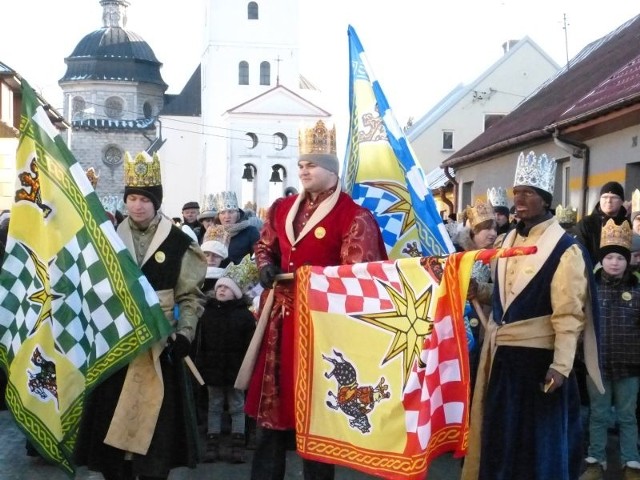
74, 306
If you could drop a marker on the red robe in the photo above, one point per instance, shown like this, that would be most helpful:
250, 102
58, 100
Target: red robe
347, 234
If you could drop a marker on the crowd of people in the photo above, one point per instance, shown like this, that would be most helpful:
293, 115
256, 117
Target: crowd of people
550, 333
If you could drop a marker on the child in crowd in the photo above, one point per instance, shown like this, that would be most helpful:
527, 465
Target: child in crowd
619, 298
215, 246
222, 338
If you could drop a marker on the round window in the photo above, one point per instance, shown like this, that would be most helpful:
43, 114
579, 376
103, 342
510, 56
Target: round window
113, 107
112, 156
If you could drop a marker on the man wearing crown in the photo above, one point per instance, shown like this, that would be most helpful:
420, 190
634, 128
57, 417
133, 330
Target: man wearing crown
140, 422
525, 418
320, 226
498, 199
610, 205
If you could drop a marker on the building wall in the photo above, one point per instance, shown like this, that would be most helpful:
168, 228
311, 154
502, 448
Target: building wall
230, 38
498, 93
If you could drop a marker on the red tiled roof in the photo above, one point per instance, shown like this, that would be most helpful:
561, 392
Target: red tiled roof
587, 85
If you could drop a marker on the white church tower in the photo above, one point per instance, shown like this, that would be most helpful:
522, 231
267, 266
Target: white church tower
254, 99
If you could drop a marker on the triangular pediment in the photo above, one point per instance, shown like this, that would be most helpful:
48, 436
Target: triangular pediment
278, 101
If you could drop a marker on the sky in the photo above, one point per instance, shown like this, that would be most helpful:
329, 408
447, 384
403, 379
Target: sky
419, 50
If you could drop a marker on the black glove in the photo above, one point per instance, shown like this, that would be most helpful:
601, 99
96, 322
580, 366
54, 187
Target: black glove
268, 275
179, 346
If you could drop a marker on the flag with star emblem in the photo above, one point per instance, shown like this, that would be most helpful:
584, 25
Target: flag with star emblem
382, 369
75, 306
381, 172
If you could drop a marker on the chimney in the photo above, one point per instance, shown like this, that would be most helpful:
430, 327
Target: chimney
508, 45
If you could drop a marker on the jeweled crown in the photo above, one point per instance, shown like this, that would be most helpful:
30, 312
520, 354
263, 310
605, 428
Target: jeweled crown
635, 201
317, 139
538, 172
225, 201
566, 214
142, 171
497, 197
245, 274
612, 234
217, 233
208, 203
480, 212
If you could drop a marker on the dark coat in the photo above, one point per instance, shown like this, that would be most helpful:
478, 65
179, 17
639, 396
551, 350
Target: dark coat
222, 338
588, 229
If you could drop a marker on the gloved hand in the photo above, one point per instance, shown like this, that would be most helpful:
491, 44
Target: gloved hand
180, 346
268, 275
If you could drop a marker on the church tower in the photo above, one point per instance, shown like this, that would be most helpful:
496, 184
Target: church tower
113, 93
254, 99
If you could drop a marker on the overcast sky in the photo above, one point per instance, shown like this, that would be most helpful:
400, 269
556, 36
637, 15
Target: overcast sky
419, 49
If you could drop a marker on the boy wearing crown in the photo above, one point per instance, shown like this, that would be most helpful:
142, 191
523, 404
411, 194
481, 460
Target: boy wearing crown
141, 420
619, 299
525, 418
320, 226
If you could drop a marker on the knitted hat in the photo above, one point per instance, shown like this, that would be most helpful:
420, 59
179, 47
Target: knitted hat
190, 205
615, 239
142, 177
216, 240
612, 187
240, 278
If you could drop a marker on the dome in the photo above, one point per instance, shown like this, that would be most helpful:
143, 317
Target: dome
113, 53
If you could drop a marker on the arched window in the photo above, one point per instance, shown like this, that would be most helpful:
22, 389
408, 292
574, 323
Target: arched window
147, 110
265, 73
252, 140
78, 107
252, 11
243, 73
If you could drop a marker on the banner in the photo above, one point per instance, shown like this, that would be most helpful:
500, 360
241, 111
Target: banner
381, 172
382, 382
75, 306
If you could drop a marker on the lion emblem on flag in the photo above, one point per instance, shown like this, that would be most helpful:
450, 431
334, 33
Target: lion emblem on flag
354, 400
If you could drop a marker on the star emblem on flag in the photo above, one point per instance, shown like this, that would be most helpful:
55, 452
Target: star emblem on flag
45, 295
408, 322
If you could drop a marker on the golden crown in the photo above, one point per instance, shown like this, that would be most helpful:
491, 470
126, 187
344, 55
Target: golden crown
142, 171
635, 201
497, 197
566, 214
92, 176
317, 139
217, 233
538, 172
613, 234
480, 212
245, 274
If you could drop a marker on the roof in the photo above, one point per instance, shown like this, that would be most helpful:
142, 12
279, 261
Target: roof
188, 103
14, 81
113, 53
460, 91
586, 84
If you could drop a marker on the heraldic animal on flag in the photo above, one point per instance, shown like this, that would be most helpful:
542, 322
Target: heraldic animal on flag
382, 366
381, 172
75, 307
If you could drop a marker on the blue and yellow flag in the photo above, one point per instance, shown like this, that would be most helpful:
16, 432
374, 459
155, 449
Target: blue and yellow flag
381, 172
74, 305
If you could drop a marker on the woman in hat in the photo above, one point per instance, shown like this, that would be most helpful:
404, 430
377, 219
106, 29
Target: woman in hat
243, 235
